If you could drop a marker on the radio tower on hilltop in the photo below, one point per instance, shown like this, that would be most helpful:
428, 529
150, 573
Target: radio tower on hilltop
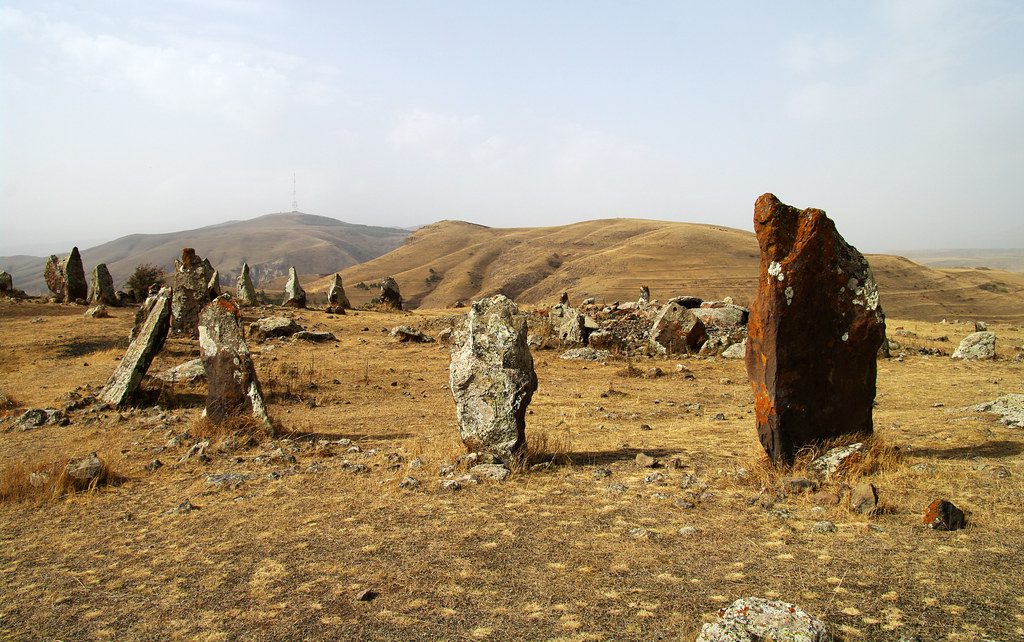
295, 200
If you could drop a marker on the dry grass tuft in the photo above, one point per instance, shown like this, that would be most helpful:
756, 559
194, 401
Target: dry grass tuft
238, 432
881, 455
6, 403
543, 447
49, 481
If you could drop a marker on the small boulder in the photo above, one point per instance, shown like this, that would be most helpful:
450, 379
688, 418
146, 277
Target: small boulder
976, 346
270, 327
98, 312
864, 499
735, 350
943, 515
314, 337
676, 330
85, 469
752, 619
836, 459
406, 334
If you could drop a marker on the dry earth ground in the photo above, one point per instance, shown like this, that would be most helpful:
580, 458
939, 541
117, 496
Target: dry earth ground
557, 554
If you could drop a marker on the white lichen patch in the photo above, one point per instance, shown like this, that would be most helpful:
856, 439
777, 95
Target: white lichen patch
775, 270
789, 295
846, 336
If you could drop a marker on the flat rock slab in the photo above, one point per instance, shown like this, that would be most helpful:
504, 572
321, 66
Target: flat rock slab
269, 327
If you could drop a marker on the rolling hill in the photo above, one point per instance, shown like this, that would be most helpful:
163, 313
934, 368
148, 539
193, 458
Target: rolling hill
610, 259
270, 244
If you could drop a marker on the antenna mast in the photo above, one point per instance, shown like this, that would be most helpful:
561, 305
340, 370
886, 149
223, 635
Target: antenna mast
295, 202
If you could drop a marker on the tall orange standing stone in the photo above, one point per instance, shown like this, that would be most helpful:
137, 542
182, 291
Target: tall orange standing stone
814, 331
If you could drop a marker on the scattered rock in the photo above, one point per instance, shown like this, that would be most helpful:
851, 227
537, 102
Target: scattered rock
409, 483
943, 515
98, 312
814, 333
313, 336
676, 329
36, 417
154, 465
836, 459
797, 484
85, 469
1009, 407
127, 377
450, 485
230, 481
337, 300
406, 334
823, 527
492, 378
497, 472
864, 499
270, 327
645, 461
735, 350
976, 346
189, 372
367, 595
585, 354
688, 530
182, 508
752, 619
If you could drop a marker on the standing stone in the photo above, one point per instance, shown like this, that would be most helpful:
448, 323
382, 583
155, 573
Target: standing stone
294, 295
676, 329
233, 389
976, 346
814, 331
103, 286
6, 283
190, 287
492, 378
390, 297
336, 299
645, 295
213, 286
245, 293
124, 383
66, 278
143, 312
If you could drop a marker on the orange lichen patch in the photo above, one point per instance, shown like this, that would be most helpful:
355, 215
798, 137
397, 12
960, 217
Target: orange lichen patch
228, 306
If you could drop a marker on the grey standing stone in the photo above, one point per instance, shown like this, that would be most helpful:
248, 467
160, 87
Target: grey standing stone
103, 287
294, 295
6, 282
492, 378
190, 286
336, 298
124, 383
66, 277
233, 388
245, 293
977, 346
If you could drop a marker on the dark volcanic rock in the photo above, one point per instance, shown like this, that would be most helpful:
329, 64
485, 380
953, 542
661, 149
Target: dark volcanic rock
814, 331
233, 389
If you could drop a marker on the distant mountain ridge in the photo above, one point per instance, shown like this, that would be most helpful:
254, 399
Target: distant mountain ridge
1011, 259
270, 243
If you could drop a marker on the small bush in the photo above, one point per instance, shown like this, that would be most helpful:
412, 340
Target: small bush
144, 276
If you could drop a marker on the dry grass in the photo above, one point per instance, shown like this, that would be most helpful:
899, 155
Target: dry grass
880, 455
49, 481
589, 549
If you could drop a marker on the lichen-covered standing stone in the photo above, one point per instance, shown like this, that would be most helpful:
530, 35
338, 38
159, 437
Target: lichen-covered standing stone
102, 286
245, 293
145, 345
294, 295
337, 301
65, 277
233, 388
190, 285
814, 331
492, 378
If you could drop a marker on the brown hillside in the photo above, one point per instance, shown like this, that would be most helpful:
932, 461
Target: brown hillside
610, 259
270, 244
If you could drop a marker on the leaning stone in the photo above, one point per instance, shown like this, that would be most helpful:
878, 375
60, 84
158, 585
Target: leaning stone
124, 383
835, 460
188, 372
103, 286
676, 329
270, 327
976, 346
142, 313
245, 293
294, 295
492, 378
233, 388
98, 312
753, 619
390, 297
943, 515
336, 298
814, 331
190, 293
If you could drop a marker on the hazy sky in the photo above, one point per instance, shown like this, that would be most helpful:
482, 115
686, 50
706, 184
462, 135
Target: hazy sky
904, 120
